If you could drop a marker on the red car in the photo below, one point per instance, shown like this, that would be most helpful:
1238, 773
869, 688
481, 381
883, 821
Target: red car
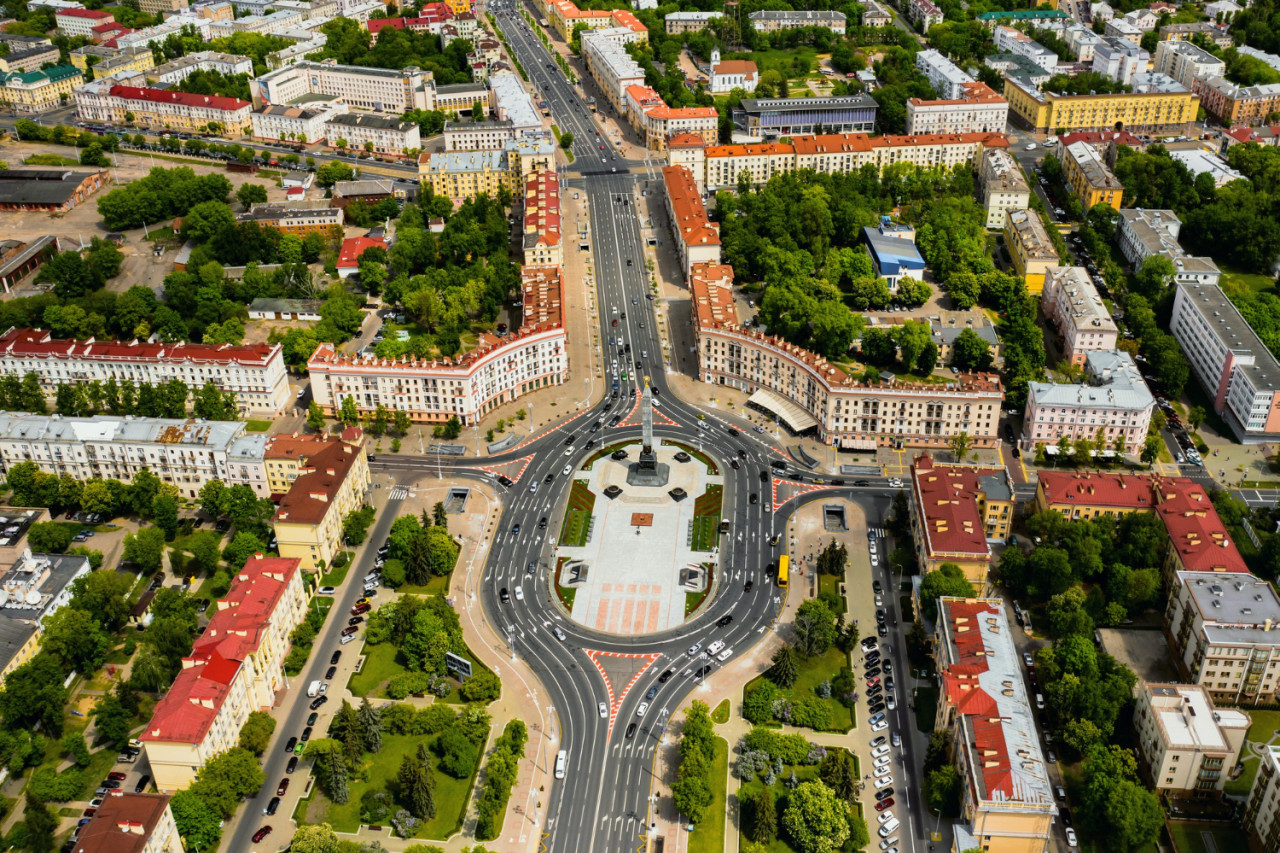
89, 812
284, 786
118, 776
884, 804
872, 682
262, 833
359, 609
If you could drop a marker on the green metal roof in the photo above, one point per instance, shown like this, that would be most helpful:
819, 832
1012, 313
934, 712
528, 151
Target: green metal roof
27, 78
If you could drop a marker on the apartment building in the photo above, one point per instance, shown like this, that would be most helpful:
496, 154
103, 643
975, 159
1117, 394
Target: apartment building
161, 109
303, 124
876, 14
656, 122
1030, 249
466, 174
29, 53
1121, 28
1082, 41
331, 480
130, 823
1262, 809
843, 153
1010, 40
205, 60
35, 586
184, 453
1158, 105
1075, 309
161, 8
109, 60
1201, 162
609, 64
678, 23
543, 237
923, 13
431, 18
730, 74
510, 102
722, 166
1004, 187
1223, 633
235, 668
565, 15
979, 109
944, 76
812, 396
379, 134
80, 22
1090, 179
697, 237
770, 118
1218, 36
254, 373
1119, 59
1041, 17
1187, 63
955, 510
467, 386
1229, 360
772, 22
299, 218
1143, 233
478, 136
359, 87
1234, 104
1114, 404
1186, 743
1007, 804
38, 91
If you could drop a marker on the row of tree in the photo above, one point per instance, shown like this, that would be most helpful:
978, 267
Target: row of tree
500, 776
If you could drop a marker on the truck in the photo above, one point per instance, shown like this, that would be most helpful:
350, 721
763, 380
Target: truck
313, 690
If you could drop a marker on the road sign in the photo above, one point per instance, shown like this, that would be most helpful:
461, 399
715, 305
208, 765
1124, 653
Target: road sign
459, 666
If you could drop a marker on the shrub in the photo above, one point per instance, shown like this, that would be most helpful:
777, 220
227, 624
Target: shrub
757, 704
501, 775
458, 755
792, 749
49, 786
407, 684
484, 686
341, 559
393, 574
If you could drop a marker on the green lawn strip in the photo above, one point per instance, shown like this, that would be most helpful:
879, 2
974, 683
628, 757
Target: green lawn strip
693, 600
926, 708
377, 771
438, 585
566, 594
708, 836
1188, 837
379, 667
335, 577
577, 515
830, 584
721, 713
814, 671
257, 426
1261, 730
696, 454
1232, 279
705, 532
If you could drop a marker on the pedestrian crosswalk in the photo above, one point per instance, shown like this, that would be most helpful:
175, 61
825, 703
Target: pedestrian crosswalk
877, 532
399, 493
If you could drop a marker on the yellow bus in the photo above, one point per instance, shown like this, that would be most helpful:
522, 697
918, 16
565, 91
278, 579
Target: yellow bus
783, 571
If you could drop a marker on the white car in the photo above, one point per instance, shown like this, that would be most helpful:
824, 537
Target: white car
880, 751
884, 781
889, 702
644, 706
871, 546
714, 648
568, 451
881, 763
604, 711
1071, 838
880, 726
694, 649
895, 482
875, 561
885, 816
327, 590
724, 655
568, 469
520, 597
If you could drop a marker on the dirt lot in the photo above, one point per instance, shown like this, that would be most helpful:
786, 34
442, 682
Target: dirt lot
1145, 652
83, 223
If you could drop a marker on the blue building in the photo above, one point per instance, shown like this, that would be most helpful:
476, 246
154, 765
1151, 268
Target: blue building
770, 118
894, 253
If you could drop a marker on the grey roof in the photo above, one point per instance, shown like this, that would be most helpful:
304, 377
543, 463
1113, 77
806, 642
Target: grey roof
462, 89
28, 427
288, 306
1149, 82
753, 105
372, 186
487, 124
948, 334
1235, 333
1114, 382
40, 186
370, 120
35, 586
28, 251
996, 484
1236, 608
250, 447
797, 15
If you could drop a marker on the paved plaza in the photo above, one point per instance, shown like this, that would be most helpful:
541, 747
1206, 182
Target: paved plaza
634, 562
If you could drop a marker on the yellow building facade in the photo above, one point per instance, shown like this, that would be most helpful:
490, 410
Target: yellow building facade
39, 91
1044, 113
466, 174
1030, 248
1089, 178
331, 482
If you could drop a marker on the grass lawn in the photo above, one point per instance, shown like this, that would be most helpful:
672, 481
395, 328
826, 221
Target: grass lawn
750, 790
335, 577
380, 666
721, 713
1262, 730
706, 530
831, 584
708, 836
813, 672
926, 708
781, 60
1189, 837
451, 794
438, 585
577, 515
1234, 279
257, 426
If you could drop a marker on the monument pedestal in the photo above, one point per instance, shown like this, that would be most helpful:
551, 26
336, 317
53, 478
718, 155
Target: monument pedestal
656, 475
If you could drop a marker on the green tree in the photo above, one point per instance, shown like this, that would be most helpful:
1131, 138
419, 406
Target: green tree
692, 797
970, 352
165, 516
816, 820
75, 638
948, 580
942, 789
1151, 449
959, 444
315, 416
145, 549
370, 722
566, 141
786, 667
199, 824
33, 693
255, 734
764, 812
251, 194
417, 784
313, 838
839, 772
815, 628
41, 823
228, 778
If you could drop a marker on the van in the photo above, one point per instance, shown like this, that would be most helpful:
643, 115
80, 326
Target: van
1040, 701
890, 828
348, 639
561, 758
313, 690
889, 842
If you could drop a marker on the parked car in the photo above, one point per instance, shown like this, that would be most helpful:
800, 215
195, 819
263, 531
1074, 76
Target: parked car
142, 784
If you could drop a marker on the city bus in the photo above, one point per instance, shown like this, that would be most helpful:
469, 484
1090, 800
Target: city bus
783, 571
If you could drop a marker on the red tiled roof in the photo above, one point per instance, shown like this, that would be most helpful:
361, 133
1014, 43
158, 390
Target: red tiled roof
122, 824
192, 703
39, 343
542, 206
750, 149
946, 498
354, 247
82, 13
691, 216
734, 66
711, 290
686, 140
1093, 137
974, 93
830, 143
314, 491
542, 291
187, 99
1123, 491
